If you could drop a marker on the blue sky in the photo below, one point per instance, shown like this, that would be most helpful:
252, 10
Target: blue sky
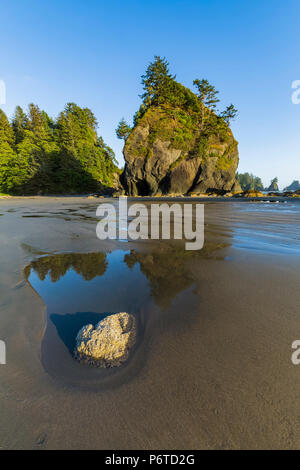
93, 52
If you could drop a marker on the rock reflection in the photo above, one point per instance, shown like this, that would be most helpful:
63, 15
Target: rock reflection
168, 268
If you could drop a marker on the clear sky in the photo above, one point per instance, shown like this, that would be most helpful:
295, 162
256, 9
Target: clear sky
93, 52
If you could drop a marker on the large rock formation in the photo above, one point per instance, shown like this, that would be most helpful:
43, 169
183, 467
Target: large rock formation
109, 343
168, 153
273, 186
295, 186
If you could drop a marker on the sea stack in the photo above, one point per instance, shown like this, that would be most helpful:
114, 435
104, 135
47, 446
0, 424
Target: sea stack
170, 152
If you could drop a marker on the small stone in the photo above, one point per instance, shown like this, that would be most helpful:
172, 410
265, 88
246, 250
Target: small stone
109, 343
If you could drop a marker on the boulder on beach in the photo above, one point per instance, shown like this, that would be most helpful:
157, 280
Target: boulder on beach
108, 343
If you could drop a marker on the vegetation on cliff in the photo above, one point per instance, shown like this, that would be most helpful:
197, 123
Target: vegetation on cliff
42, 155
188, 122
189, 111
274, 185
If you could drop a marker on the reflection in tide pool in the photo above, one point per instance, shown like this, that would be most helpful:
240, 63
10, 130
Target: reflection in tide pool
94, 282
117, 281
79, 289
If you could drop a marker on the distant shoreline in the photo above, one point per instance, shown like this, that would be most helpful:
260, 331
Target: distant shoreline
160, 198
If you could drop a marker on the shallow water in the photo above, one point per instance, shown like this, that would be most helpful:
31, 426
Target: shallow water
83, 288
79, 289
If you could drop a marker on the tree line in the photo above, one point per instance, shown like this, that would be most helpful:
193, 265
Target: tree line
41, 155
249, 182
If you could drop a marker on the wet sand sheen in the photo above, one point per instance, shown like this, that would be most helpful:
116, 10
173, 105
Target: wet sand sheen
213, 366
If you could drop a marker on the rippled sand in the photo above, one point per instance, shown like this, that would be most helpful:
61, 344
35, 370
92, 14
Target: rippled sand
212, 365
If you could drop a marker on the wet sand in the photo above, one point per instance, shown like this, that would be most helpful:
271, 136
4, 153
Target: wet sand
213, 366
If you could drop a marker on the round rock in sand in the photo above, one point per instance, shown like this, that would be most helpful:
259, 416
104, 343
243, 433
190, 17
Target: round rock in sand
108, 343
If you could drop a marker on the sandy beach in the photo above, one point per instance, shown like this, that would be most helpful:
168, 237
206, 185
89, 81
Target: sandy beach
212, 367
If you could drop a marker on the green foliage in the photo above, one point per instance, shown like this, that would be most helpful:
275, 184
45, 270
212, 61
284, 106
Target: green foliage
139, 114
175, 114
162, 90
274, 185
19, 124
178, 120
6, 132
207, 95
42, 155
8, 167
229, 114
156, 81
249, 182
224, 160
123, 130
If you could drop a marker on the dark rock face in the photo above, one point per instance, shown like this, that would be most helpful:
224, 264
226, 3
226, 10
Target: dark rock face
295, 186
273, 187
167, 154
